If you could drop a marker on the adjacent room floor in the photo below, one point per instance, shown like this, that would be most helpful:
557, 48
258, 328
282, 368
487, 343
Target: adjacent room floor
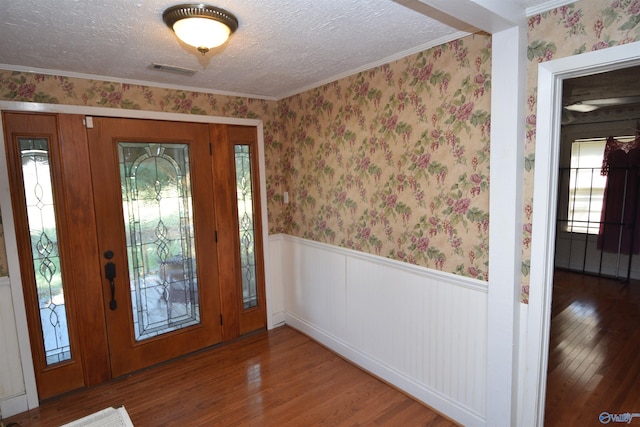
594, 350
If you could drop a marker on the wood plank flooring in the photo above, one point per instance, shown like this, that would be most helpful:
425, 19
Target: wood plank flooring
276, 378
594, 350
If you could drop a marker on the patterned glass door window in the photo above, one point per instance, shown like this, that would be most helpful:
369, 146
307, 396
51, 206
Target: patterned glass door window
157, 206
41, 217
246, 225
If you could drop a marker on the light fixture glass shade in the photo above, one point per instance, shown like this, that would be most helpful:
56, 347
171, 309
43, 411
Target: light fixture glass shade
200, 25
202, 33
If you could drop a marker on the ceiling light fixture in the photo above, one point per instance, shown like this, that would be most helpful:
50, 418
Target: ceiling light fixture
589, 105
581, 108
201, 26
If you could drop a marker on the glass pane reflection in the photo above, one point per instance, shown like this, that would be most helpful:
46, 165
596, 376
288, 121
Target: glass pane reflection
246, 227
157, 205
41, 217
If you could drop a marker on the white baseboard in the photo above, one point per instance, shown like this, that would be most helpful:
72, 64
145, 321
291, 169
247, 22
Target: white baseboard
428, 396
420, 330
13, 406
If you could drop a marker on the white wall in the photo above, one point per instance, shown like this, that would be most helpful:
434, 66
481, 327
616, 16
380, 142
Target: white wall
421, 330
275, 290
12, 386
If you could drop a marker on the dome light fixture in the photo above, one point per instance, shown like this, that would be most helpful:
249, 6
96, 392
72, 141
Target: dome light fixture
201, 26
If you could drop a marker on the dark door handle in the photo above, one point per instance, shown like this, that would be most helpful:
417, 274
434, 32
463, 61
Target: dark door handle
110, 274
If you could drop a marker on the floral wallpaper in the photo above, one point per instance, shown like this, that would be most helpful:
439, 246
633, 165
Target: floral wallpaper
18, 86
394, 161
581, 27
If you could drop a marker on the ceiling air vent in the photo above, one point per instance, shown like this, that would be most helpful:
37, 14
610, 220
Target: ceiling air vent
171, 69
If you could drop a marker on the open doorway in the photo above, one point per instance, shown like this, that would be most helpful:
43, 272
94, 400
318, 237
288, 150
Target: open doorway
597, 225
551, 76
596, 301
595, 306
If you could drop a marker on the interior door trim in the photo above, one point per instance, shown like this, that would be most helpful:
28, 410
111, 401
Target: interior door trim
30, 399
550, 77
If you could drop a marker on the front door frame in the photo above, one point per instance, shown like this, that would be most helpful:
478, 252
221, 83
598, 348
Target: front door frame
6, 209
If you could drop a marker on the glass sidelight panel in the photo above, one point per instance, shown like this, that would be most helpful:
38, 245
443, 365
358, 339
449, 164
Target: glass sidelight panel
246, 225
41, 217
157, 206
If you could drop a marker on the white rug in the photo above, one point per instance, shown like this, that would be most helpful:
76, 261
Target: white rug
109, 417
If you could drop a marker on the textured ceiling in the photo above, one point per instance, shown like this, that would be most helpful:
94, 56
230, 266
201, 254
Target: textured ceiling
282, 47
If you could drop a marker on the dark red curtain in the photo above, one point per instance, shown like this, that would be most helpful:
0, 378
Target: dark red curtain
619, 225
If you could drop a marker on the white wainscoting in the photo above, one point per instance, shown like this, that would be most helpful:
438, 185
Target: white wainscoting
421, 330
274, 289
12, 389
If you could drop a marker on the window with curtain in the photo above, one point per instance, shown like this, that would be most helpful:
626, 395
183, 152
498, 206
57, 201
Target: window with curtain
587, 185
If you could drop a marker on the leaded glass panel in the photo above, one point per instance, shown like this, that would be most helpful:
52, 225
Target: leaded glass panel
246, 225
41, 217
157, 206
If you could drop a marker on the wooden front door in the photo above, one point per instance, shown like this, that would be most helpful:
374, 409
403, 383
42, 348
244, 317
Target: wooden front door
153, 194
136, 270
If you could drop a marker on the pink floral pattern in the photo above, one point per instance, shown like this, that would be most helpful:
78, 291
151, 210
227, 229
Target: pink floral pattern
584, 26
392, 161
17, 86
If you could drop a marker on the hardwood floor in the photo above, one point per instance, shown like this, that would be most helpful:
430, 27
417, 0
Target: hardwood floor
594, 350
276, 378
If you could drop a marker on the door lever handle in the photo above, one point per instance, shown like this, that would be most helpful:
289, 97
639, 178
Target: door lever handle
110, 274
